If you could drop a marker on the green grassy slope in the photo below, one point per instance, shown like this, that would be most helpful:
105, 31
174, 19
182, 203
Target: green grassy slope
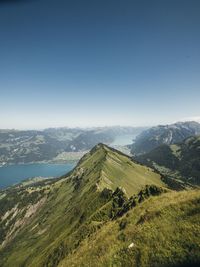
162, 231
43, 223
113, 169
180, 161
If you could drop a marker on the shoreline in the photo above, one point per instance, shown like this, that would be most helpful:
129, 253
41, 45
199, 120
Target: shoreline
39, 162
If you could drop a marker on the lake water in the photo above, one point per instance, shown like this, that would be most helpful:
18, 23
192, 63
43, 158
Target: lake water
13, 174
124, 139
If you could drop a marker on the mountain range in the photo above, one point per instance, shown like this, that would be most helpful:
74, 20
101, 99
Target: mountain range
109, 211
55, 144
164, 134
64, 144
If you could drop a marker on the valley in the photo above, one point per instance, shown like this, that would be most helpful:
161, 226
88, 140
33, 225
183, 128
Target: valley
155, 136
180, 161
145, 205
107, 199
99, 133
59, 145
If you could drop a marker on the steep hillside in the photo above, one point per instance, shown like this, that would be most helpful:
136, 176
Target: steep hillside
162, 231
178, 160
164, 134
42, 223
113, 169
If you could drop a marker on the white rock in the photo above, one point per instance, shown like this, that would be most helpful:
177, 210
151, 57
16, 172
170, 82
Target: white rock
131, 245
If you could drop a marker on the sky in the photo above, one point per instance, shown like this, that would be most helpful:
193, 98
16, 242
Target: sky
98, 62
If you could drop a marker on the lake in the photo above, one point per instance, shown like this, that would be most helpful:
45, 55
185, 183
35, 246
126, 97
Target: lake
13, 174
123, 139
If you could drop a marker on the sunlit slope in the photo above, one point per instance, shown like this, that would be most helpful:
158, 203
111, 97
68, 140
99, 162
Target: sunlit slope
42, 224
112, 169
162, 231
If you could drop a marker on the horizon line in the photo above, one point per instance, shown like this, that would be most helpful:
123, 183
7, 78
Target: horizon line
97, 126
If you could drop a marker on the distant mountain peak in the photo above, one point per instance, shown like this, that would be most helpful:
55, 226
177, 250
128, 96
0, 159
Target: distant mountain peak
164, 134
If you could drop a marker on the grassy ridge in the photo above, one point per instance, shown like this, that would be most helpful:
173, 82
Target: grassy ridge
90, 217
163, 231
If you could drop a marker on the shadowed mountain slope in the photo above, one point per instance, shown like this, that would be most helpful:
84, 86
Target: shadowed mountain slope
164, 134
180, 160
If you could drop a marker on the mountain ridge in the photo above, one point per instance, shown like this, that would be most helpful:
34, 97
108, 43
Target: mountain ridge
64, 211
112, 177
107, 198
164, 134
151, 234
179, 160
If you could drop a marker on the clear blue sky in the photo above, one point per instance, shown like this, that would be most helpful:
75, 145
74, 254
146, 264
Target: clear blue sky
105, 62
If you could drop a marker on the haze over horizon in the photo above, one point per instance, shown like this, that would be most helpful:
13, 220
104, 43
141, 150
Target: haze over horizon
85, 126
98, 63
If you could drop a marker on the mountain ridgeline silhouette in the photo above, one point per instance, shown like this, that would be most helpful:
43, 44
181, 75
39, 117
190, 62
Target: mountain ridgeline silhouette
105, 212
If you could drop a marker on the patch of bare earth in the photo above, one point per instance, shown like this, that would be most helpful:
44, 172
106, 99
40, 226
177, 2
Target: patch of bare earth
21, 222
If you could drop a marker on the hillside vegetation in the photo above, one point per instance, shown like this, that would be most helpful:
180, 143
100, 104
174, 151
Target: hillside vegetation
181, 161
162, 231
108, 211
53, 217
